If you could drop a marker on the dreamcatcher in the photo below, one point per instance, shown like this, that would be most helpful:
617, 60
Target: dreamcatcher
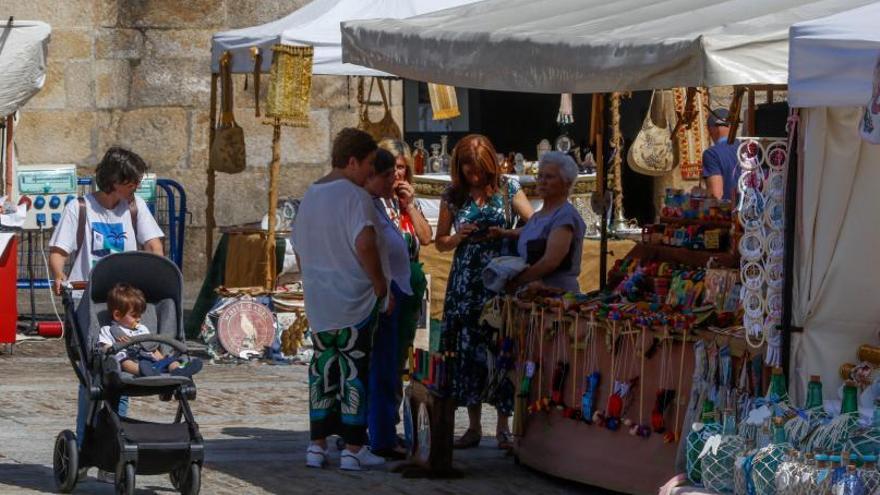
762, 214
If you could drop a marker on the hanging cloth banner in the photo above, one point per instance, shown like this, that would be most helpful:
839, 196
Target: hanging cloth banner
290, 89
444, 102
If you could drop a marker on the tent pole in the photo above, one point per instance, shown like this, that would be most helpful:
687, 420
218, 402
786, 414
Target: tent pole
210, 222
791, 205
274, 171
602, 183
7, 189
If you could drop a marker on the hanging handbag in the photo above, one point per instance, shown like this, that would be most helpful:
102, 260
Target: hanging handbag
691, 134
869, 127
386, 127
651, 153
227, 149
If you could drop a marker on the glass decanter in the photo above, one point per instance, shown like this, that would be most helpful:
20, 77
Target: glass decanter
434, 160
445, 159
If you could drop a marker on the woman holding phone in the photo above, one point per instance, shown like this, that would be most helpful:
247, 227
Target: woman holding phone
478, 201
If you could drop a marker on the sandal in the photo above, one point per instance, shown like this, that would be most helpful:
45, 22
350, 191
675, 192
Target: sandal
470, 439
505, 440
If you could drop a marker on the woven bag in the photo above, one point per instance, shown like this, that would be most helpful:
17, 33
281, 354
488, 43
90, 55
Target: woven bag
386, 127
651, 153
227, 149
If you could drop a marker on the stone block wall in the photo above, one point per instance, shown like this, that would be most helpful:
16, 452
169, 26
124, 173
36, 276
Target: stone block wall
137, 73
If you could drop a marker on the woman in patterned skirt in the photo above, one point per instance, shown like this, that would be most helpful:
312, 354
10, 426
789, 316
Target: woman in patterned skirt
479, 199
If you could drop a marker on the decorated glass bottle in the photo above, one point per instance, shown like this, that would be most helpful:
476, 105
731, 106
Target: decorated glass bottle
786, 475
869, 474
696, 439
768, 459
718, 463
742, 469
806, 475
445, 159
419, 157
834, 436
850, 483
434, 160
867, 441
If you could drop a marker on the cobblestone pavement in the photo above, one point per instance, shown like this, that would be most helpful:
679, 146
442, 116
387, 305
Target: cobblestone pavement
254, 418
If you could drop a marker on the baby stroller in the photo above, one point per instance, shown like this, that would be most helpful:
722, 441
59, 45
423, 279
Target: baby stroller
128, 446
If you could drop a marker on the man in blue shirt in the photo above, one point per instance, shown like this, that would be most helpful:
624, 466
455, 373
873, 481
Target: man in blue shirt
720, 164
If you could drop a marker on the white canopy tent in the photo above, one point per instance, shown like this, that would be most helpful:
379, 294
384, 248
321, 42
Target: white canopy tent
23, 49
837, 234
588, 46
316, 24
832, 59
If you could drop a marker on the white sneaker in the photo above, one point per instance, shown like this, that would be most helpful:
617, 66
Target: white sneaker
106, 476
316, 457
350, 461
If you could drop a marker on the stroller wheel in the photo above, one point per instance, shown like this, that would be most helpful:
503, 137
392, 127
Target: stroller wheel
187, 480
125, 479
65, 461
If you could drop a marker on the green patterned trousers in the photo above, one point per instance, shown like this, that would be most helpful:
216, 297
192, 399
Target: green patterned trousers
338, 377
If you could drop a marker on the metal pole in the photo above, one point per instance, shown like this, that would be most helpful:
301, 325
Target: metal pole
791, 202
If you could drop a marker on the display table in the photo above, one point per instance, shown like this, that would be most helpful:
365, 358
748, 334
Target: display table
430, 187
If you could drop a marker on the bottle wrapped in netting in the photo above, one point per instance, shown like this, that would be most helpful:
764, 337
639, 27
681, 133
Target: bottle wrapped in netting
719, 456
696, 440
787, 474
742, 472
850, 483
869, 474
817, 477
768, 460
805, 472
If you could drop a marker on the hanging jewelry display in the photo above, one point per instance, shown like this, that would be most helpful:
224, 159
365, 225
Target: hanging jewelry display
762, 216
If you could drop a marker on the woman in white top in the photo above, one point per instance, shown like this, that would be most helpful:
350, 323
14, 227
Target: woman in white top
384, 368
335, 239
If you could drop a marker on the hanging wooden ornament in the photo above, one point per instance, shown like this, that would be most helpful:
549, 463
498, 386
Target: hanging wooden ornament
444, 102
290, 88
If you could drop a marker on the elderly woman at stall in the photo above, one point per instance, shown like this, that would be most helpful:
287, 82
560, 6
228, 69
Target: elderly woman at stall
385, 369
478, 199
552, 240
403, 208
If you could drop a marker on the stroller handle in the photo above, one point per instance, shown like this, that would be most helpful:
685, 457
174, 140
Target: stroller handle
162, 339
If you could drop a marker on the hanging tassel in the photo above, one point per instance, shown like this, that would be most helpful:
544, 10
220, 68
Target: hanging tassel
774, 349
566, 114
258, 69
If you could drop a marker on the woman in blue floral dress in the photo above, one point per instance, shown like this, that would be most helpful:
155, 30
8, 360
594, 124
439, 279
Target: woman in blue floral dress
477, 204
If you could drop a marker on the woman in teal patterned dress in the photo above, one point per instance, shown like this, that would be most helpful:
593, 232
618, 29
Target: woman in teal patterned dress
478, 200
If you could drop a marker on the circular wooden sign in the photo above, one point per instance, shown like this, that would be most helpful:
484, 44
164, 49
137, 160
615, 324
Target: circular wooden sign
246, 326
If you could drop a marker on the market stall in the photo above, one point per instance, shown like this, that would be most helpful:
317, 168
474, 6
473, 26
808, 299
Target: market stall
566, 46
832, 78
304, 43
23, 49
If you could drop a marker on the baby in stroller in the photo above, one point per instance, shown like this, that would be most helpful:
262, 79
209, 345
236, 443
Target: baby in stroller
126, 304
124, 290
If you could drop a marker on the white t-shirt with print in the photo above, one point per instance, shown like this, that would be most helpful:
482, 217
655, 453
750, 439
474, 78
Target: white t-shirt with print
106, 336
338, 293
106, 232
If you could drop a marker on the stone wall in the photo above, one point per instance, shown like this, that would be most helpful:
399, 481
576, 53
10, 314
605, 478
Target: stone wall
137, 73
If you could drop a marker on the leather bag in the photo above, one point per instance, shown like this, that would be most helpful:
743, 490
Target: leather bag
227, 150
386, 127
652, 153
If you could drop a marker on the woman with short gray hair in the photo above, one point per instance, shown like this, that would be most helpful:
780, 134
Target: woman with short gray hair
552, 240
